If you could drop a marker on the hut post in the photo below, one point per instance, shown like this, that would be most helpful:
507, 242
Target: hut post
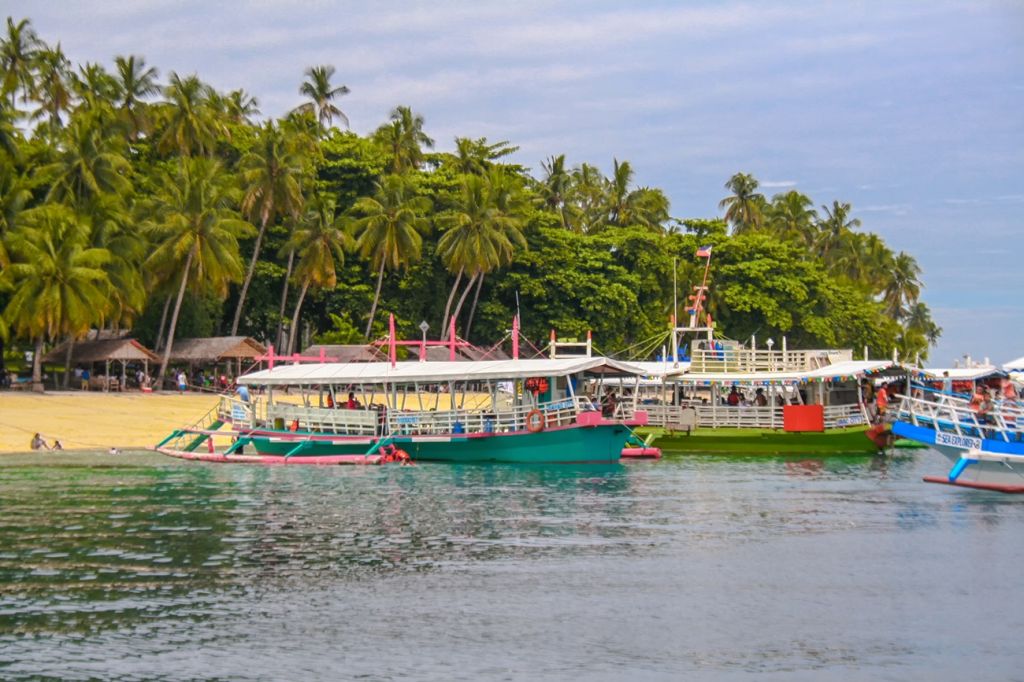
106, 376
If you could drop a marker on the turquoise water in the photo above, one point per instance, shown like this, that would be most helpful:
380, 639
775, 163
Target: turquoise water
140, 567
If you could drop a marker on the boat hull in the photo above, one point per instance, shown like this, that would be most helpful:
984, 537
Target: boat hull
572, 444
852, 440
981, 463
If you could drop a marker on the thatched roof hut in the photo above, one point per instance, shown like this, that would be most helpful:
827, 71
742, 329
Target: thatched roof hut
346, 352
102, 350
216, 349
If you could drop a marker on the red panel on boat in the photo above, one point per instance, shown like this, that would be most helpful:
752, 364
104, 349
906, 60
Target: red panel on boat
803, 418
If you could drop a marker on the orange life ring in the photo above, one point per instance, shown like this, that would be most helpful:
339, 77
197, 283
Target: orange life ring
536, 385
535, 421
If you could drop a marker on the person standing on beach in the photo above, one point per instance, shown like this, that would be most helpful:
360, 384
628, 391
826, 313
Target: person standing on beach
182, 381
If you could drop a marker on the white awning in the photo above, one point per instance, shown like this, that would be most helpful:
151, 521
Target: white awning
433, 372
846, 370
961, 373
1015, 365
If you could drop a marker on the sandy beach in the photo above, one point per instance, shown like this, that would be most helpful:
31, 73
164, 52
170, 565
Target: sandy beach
91, 421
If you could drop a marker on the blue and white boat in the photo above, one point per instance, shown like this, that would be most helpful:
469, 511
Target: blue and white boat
986, 452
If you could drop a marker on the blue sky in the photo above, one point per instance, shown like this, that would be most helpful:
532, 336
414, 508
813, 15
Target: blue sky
913, 112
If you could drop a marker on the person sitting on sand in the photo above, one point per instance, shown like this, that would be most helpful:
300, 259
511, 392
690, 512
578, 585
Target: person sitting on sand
57, 445
39, 443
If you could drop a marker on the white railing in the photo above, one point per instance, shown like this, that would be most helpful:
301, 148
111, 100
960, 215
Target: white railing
841, 416
324, 419
448, 422
713, 416
954, 415
747, 360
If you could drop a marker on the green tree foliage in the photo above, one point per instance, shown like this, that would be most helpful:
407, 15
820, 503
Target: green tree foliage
145, 186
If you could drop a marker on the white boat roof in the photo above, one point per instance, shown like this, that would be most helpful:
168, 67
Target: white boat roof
661, 369
433, 372
840, 371
962, 373
1015, 365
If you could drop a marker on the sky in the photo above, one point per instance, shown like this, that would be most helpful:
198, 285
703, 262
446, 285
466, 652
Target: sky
912, 112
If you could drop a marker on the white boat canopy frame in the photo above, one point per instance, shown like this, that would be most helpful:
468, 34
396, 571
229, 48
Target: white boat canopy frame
960, 373
847, 370
434, 372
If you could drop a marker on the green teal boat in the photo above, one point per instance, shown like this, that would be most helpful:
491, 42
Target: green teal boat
517, 411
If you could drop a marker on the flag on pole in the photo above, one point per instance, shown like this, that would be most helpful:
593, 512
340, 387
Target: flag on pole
704, 252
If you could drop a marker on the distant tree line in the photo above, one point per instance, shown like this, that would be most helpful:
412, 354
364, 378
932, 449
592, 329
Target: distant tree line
168, 208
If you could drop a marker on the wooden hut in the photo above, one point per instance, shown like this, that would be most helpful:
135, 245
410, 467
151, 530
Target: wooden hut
346, 352
217, 350
90, 352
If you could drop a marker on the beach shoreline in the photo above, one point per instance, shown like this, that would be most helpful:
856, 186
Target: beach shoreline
84, 420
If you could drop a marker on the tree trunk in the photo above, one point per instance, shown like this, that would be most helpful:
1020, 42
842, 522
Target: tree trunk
67, 362
37, 366
295, 317
462, 299
249, 273
284, 301
376, 297
472, 308
174, 320
448, 306
163, 323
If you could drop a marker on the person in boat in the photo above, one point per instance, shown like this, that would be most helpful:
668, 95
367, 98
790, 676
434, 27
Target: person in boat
609, 403
882, 401
947, 384
352, 403
243, 393
760, 400
981, 404
39, 443
330, 401
733, 399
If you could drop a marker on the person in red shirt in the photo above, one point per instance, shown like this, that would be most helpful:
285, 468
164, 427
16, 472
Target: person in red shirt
882, 400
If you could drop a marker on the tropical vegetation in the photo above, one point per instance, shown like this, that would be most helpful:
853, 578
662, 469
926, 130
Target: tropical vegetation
151, 203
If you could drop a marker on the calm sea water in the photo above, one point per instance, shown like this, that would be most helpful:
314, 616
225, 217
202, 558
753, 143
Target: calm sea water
140, 567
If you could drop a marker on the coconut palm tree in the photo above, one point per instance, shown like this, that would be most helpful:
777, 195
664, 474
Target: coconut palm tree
480, 235
902, 285
59, 285
271, 174
588, 197
388, 230
322, 94
14, 195
791, 215
833, 226
555, 187
51, 88
744, 209
87, 166
478, 156
320, 242
18, 51
195, 229
405, 139
136, 84
189, 125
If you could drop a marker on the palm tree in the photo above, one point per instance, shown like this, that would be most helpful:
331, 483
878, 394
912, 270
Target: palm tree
555, 187
902, 285
588, 196
14, 195
792, 216
388, 230
833, 226
59, 285
405, 139
919, 319
190, 126
321, 93
320, 243
478, 156
195, 229
136, 83
87, 166
51, 89
481, 234
745, 208
271, 177
17, 58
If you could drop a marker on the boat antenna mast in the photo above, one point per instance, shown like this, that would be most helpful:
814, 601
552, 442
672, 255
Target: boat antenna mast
700, 321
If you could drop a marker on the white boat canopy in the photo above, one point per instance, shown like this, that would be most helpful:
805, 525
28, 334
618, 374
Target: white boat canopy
659, 370
960, 373
847, 370
1015, 365
433, 372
